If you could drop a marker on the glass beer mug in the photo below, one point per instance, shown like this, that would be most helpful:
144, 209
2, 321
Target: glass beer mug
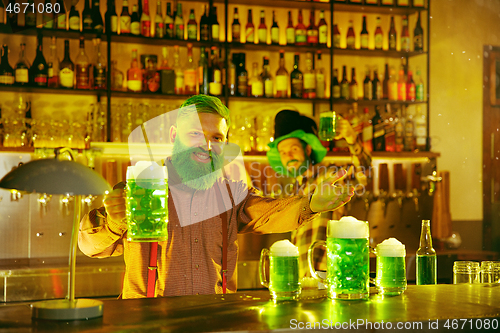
347, 246
147, 202
283, 281
391, 268
327, 125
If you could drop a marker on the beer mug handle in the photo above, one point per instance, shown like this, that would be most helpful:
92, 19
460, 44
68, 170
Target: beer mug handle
372, 280
310, 260
262, 268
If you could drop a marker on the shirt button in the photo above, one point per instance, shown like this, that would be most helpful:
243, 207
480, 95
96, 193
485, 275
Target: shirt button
196, 240
196, 266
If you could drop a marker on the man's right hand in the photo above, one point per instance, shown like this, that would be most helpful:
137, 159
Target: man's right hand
114, 202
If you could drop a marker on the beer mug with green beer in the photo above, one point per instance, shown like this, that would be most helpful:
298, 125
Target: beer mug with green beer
147, 202
347, 246
327, 125
391, 268
283, 281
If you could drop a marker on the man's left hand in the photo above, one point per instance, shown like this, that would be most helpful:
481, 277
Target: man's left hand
329, 196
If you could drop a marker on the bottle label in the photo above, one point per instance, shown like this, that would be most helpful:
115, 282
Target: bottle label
323, 34
364, 41
66, 77
268, 88
215, 88
204, 35
402, 91
421, 131
336, 41
336, 91
377, 91
146, 28
99, 77
344, 90
134, 85
41, 80
368, 90
367, 133
61, 21
309, 81
405, 44
82, 77
262, 33
418, 43
135, 28
419, 92
410, 92
217, 76
312, 37
249, 34
192, 32
87, 22
350, 42
30, 20
290, 36
6, 79
179, 31
379, 40
242, 85
22, 75
74, 23
300, 36
50, 71
297, 85
378, 130
275, 35
114, 24
320, 85
190, 78
393, 91
159, 30
353, 91
48, 20
236, 33
125, 24
392, 42
281, 83
154, 82
257, 89
215, 32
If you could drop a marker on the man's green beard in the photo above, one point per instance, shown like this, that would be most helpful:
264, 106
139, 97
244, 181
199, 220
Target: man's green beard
295, 172
195, 174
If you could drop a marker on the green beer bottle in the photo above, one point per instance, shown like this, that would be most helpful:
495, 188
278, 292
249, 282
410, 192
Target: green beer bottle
426, 257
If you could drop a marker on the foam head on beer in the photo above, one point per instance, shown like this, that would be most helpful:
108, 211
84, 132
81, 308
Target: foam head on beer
391, 247
348, 227
284, 248
146, 170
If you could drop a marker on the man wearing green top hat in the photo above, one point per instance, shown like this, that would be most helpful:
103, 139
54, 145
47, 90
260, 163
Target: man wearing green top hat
297, 155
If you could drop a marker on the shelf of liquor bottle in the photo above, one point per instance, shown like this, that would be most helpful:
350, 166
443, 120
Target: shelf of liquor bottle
376, 53
46, 90
267, 99
365, 102
66, 34
299, 4
384, 10
129, 39
276, 47
375, 154
150, 95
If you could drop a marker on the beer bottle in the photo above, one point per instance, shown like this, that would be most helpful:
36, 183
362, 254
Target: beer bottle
426, 257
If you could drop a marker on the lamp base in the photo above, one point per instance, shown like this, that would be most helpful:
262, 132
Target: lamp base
67, 310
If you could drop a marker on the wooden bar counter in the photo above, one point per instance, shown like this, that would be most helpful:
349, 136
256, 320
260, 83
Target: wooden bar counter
437, 308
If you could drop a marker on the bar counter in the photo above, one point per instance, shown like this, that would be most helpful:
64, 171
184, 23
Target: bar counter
436, 308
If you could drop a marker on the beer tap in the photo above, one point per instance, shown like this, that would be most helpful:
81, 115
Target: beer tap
399, 184
414, 193
432, 180
65, 200
43, 200
383, 186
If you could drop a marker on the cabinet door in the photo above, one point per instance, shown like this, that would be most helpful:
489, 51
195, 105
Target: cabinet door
491, 148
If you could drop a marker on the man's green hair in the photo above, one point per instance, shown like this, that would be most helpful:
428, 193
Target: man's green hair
205, 104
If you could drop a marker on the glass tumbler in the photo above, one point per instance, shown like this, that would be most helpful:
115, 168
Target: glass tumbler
490, 272
465, 272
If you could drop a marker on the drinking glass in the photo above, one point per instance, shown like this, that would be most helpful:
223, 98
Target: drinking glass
391, 269
283, 281
327, 125
465, 272
348, 260
490, 272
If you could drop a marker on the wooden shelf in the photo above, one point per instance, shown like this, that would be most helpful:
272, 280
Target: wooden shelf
376, 53
268, 99
58, 33
58, 91
364, 102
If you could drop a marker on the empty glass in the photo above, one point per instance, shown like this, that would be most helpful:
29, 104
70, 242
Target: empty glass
465, 272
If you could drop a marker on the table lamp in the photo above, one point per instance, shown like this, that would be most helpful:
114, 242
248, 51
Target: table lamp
54, 176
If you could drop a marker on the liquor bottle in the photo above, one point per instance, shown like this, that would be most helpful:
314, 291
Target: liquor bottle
405, 36
53, 66
48, 18
419, 87
151, 76
74, 19
87, 17
159, 21
344, 84
203, 72
134, 73
2, 21
179, 23
100, 77
290, 30
418, 36
300, 31
312, 31
410, 87
192, 27
367, 131
367, 86
267, 79
385, 83
7, 77
355, 121
309, 78
22, 68
82, 65
376, 86
190, 72
232, 86
392, 36
97, 23
389, 127
399, 132
236, 27
204, 24
38, 71
336, 37
379, 36
250, 29
350, 37
364, 35
215, 83
320, 77
111, 18
116, 77
401, 86
296, 79
275, 31
11, 14
179, 73
409, 141
262, 29
145, 20
421, 130
353, 85
241, 76
215, 28
393, 85
426, 257
66, 69
282, 78
29, 15
335, 85
125, 19
255, 86
378, 139
322, 29
135, 22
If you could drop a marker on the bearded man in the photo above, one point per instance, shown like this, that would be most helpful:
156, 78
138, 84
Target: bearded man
201, 253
